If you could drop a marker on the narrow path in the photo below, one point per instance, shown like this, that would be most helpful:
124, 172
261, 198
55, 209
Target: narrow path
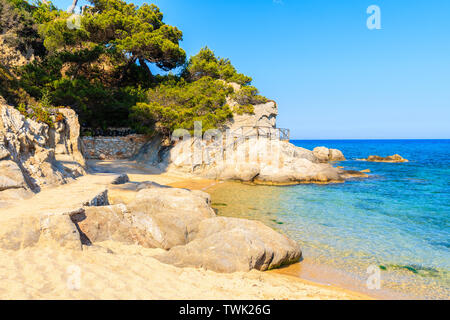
61, 199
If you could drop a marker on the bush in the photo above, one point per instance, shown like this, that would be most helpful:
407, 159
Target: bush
177, 104
206, 64
248, 95
39, 113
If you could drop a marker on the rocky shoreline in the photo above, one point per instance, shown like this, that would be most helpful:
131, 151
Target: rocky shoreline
396, 158
52, 200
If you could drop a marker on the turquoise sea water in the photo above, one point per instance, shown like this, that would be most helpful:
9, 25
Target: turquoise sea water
397, 220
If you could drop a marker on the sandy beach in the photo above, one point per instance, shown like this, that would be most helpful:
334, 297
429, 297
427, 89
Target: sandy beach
112, 270
130, 272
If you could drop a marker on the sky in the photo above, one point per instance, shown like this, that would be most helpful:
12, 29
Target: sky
331, 76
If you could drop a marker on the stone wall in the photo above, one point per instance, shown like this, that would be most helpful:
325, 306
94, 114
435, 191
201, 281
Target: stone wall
110, 148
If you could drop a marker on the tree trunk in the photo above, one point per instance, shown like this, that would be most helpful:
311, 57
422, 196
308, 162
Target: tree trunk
146, 68
72, 7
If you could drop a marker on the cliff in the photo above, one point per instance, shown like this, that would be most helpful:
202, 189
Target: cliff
246, 153
34, 155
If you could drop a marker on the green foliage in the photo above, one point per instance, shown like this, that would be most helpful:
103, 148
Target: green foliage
242, 109
177, 104
248, 95
98, 106
206, 64
10, 88
101, 69
138, 31
18, 28
40, 113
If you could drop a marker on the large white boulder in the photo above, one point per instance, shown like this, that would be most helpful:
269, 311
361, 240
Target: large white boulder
233, 245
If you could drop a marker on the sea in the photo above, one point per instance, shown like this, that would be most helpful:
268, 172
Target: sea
387, 236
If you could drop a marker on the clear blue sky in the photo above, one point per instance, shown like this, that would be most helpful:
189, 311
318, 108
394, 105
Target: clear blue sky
331, 76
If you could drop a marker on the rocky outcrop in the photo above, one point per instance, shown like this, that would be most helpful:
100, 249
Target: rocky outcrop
178, 220
33, 155
259, 160
18, 232
324, 154
265, 115
232, 245
158, 218
390, 159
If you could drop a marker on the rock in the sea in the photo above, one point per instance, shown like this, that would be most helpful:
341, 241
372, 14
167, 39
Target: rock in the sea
349, 174
158, 218
337, 155
326, 155
232, 245
390, 159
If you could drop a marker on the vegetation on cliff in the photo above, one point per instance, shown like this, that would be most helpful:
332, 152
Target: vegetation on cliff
99, 63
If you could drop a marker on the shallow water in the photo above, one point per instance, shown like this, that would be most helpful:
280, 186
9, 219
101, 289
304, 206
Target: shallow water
398, 220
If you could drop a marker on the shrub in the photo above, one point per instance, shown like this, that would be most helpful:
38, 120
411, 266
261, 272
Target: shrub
39, 113
248, 95
206, 64
177, 104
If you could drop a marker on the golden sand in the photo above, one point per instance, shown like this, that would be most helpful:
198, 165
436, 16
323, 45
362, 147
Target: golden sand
112, 270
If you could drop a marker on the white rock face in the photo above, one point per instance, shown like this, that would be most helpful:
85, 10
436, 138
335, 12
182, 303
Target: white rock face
265, 116
158, 218
324, 154
233, 245
246, 154
260, 160
183, 222
33, 156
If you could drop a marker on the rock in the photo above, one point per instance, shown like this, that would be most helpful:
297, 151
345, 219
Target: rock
233, 245
390, 159
24, 231
158, 218
265, 115
149, 185
11, 196
100, 199
97, 224
262, 161
11, 176
326, 155
322, 154
4, 153
176, 212
336, 155
350, 174
122, 179
46, 156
